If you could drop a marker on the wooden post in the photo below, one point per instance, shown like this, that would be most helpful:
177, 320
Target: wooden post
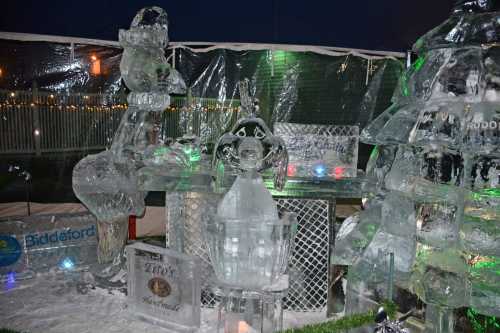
36, 120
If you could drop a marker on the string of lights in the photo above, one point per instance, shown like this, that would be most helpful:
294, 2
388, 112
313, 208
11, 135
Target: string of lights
88, 103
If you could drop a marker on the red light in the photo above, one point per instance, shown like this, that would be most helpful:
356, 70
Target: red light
292, 170
338, 172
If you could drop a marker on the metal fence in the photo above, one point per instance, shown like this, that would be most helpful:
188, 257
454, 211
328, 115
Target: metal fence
34, 122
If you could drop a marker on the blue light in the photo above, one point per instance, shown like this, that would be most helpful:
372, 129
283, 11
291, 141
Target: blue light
10, 283
319, 170
11, 277
67, 263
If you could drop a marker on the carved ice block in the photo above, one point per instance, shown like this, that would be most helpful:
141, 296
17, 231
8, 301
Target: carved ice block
320, 151
164, 287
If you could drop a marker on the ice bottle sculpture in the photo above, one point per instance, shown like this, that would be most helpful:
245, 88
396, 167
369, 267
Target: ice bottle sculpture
249, 246
107, 182
437, 161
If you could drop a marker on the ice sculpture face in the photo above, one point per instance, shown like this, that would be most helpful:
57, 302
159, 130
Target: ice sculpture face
249, 244
143, 66
273, 148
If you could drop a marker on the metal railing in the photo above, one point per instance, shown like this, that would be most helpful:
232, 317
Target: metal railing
34, 122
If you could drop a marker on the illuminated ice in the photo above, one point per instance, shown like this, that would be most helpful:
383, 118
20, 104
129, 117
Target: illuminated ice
107, 182
438, 156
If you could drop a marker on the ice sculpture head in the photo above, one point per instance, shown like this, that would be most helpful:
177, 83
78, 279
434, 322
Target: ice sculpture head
144, 67
250, 153
151, 17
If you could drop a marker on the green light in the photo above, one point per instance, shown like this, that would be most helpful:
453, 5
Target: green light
374, 153
406, 76
480, 323
418, 64
160, 151
491, 192
194, 154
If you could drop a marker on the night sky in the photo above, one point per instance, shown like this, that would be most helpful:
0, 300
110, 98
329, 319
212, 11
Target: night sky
369, 24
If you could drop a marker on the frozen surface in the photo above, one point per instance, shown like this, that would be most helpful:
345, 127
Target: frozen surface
51, 303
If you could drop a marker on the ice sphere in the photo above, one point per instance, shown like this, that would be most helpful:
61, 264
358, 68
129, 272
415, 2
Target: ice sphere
480, 236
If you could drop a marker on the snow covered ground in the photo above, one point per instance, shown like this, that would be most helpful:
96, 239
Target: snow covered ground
51, 303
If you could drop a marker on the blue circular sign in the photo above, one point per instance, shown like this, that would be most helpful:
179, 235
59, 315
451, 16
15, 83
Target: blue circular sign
10, 250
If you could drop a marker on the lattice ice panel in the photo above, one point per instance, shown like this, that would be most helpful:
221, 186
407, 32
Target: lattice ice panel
308, 265
185, 214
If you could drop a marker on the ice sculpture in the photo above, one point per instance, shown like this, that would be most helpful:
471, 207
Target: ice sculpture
437, 164
107, 182
274, 149
249, 247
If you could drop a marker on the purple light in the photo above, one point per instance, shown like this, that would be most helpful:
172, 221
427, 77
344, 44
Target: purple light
10, 283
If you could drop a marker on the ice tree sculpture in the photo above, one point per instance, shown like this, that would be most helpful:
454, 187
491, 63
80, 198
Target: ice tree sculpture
437, 164
107, 182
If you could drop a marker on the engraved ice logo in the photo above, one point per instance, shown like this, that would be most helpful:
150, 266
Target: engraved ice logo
159, 287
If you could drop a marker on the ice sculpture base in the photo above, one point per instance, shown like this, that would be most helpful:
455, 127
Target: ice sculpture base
164, 287
251, 311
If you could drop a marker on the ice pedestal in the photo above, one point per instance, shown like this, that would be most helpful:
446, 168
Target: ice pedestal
113, 236
251, 312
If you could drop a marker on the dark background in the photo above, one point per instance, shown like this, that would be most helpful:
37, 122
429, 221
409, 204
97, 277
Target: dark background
392, 25
370, 24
